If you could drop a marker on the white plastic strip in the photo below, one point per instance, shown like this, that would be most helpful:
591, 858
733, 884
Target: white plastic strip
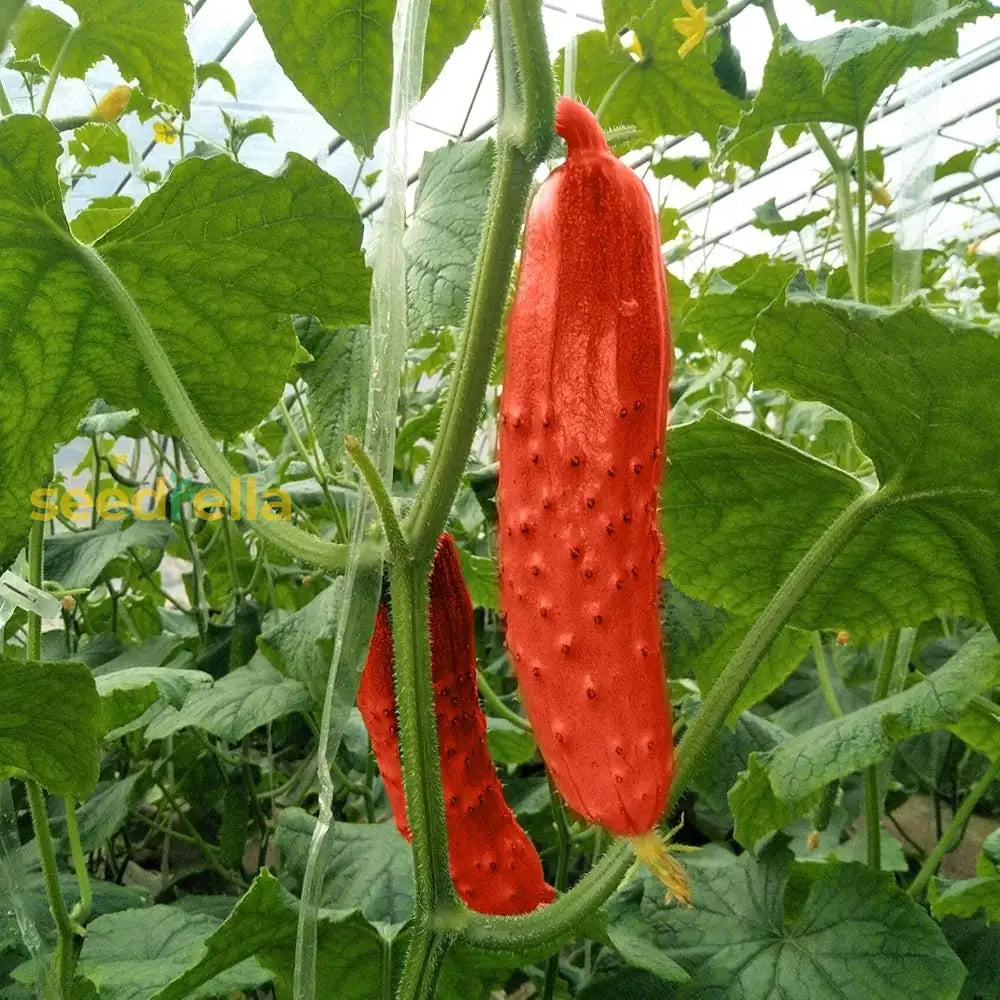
18, 592
389, 338
922, 116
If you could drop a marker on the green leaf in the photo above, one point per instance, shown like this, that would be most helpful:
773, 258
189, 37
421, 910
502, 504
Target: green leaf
77, 559
767, 928
690, 170
965, 898
660, 94
618, 14
95, 144
784, 655
978, 946
351, 953
442, 240
103, 815
733, 297
901, 12
50, 725
242, 701
912, 382
154, 652
369, 866
358, 54
756, 810
730, 753
509, 744
215, 71
959, 163
929, 436
217, 259
134, 954
129, 32
480, 573
768, 217
629, 933
782, 780
988, 862
301, 644
101, 215
337, 378
839, 78
126, 694
736, 530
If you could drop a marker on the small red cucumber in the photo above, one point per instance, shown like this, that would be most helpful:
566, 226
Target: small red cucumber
581, 444
494, 864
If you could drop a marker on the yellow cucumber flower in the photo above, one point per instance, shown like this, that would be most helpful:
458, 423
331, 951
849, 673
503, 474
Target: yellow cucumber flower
693, 28
164, 132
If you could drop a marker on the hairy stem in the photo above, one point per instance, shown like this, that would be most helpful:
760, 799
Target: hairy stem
873, 797
36, 798
418, 734
823, 673
297, 543
954, 829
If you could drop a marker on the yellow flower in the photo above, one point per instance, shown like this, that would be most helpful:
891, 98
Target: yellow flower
110, 107
164, 132
881, 196
693, 28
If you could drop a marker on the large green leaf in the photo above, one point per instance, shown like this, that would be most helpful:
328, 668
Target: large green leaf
132, 955
771, 927
899, 12
77, 558
442, 240
840, 77
782, 782
369, 865
145, 38
216, 259
234, 706
660, 94
743, 509
338, 382
50, 725
702, 639
966, 898
351, 953
350, 42
301, 644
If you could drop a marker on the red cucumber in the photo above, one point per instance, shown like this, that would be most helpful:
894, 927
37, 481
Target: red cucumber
581, 443
494, 864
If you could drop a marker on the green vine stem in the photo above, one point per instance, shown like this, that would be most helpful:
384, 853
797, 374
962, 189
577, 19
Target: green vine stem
494, 702
524, 134
36, 798
873, 797
841, 178
398, 548
81, 910
57, 64
550, 924
421, 767
823, 673
861, 181
297, 543
954, 830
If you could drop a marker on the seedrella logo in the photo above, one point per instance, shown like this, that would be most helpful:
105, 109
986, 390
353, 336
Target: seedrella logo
164, 502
